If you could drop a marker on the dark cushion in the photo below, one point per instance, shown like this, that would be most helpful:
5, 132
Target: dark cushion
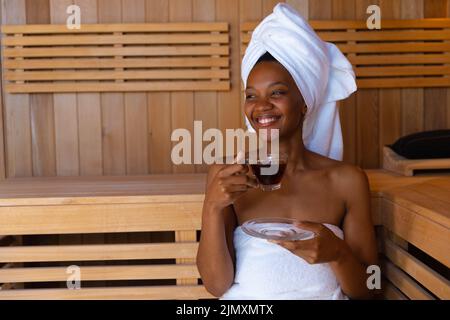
424, 145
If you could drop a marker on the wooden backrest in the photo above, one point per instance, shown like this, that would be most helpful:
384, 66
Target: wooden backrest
116, 57
151, 238
404, 53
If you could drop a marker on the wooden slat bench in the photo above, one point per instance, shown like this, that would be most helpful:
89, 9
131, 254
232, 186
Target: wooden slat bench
116, 57
403, 54
408, 211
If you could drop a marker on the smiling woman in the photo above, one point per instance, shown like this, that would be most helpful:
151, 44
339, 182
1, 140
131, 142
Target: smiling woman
292, 80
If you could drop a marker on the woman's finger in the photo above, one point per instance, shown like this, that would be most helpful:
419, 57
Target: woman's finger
232, 169
310, 226
240, 180
236, 188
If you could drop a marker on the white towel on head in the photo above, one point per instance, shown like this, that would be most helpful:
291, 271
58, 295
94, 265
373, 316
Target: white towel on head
267, 271
322, 73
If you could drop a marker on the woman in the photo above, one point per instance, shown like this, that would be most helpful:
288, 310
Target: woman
284, 71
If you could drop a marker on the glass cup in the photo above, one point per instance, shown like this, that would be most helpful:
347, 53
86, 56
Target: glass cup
269, 171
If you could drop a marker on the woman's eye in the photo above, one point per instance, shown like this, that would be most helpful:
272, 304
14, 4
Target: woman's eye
278, 93
249, 96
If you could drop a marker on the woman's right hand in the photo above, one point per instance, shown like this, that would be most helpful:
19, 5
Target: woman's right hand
228, 184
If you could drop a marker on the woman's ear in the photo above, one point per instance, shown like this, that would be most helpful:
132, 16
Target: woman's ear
304, 110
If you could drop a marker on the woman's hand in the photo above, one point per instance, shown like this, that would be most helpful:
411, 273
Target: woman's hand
325, 247
228, 184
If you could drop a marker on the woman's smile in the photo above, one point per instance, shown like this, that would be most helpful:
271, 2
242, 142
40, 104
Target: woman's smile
267, 120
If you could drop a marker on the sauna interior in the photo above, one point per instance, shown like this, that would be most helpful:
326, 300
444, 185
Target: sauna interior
86, 175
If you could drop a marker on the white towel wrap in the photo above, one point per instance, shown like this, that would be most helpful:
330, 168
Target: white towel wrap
267, 271
322, 74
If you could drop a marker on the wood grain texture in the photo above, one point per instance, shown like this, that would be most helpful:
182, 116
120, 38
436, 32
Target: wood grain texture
159, 107
2, 132
66, 112
182, 103
205, 103
367, 112
89, 113
136, 118
345, 9
229, 105
112, 106
435, 106
17, 109
390, 103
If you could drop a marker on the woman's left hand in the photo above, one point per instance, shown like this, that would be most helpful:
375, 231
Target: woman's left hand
324, 247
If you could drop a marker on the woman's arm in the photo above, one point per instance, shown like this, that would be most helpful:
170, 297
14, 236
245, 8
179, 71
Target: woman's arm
215, 256
348, 258
359, 250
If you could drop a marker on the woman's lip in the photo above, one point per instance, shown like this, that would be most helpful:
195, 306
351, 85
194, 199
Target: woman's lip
268, 124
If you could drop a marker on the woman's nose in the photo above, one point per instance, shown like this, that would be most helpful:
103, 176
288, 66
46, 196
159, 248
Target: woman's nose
264, 104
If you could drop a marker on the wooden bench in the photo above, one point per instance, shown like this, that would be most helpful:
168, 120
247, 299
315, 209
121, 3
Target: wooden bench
403, 54
116, 57
408, 211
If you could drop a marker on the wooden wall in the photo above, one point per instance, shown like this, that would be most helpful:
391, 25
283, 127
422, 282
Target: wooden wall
128, 134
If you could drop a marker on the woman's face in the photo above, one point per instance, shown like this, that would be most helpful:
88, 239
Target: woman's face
273, 100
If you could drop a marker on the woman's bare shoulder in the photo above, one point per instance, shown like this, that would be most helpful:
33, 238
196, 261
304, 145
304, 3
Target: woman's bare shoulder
343, 174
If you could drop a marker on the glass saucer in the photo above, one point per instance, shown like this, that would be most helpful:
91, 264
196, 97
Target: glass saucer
276, 229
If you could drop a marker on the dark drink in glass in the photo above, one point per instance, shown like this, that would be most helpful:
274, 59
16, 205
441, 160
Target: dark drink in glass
270, 178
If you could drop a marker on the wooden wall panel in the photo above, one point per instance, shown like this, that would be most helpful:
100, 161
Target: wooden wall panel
412, 99
345, 9
127, 134
89, 113
182, 103
367, 112
159, 110
17, 125
229, 106
42, 110
390, 99
205, 103
135, 105
2, 136
66, 113
112, 106
435, 109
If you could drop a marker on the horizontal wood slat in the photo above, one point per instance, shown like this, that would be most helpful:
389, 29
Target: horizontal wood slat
418, 230
100, 218
407, 44
402, 71
106, 63
123, 27
120, 87
113, 52
115, 75
427, 277
123, 39
403, 282
390, 292
34, 56
105, 252
403, 82
119, 293
54, 274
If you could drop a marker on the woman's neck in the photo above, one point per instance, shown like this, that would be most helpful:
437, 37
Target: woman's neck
293, 146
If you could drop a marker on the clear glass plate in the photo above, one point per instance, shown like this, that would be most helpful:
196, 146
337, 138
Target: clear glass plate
276, 229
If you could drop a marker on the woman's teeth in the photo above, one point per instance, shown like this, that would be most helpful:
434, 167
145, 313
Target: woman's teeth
267, 120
